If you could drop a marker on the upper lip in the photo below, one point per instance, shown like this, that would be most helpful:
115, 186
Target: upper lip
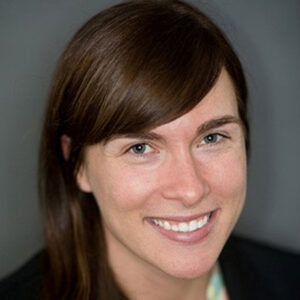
182, 218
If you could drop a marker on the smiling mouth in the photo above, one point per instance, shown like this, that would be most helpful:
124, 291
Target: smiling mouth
192, 225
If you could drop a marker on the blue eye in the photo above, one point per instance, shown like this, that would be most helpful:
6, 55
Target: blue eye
139, 148
211, 138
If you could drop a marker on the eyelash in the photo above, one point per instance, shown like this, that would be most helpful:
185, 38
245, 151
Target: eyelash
140, 156
219, 136
138, 144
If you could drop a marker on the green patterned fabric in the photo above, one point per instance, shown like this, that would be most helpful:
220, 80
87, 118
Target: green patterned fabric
216, 288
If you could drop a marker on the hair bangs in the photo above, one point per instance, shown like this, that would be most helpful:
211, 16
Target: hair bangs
163, 70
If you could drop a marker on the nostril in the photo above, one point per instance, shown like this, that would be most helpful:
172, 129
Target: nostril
184, 181
189, 193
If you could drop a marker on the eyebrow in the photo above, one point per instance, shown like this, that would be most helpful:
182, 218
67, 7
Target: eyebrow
215, 123
206, 126
143, 135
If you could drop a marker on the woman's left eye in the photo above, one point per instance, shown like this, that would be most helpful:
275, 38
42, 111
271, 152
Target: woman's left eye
213, 138
140, 148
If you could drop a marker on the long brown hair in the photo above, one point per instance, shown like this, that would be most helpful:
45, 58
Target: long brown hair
130, 68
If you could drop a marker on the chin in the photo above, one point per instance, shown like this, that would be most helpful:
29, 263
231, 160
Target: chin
190, 269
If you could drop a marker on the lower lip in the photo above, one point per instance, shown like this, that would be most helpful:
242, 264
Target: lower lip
187, 238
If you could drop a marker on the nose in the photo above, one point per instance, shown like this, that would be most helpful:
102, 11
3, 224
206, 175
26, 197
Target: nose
184, 181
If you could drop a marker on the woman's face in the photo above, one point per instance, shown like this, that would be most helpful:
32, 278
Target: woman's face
169, 198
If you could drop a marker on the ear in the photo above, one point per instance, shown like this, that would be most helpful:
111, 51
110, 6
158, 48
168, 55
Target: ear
65, 142
81, 177
83, 180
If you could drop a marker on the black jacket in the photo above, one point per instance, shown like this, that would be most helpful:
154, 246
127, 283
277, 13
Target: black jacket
252, 271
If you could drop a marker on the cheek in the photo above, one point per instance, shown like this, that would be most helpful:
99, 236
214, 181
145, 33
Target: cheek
122, 188
227, 176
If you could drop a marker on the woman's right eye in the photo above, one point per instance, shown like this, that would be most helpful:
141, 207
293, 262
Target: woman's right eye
141, 148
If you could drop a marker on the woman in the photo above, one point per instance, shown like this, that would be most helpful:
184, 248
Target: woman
143, 164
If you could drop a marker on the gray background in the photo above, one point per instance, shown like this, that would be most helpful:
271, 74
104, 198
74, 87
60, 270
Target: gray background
264, 33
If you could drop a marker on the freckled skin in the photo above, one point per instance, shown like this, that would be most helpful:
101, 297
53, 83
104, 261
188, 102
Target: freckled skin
182, 176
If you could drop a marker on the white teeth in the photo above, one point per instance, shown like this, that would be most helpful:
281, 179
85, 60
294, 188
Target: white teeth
183, 226
193, 225
167, 225
200, 223
174, 228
